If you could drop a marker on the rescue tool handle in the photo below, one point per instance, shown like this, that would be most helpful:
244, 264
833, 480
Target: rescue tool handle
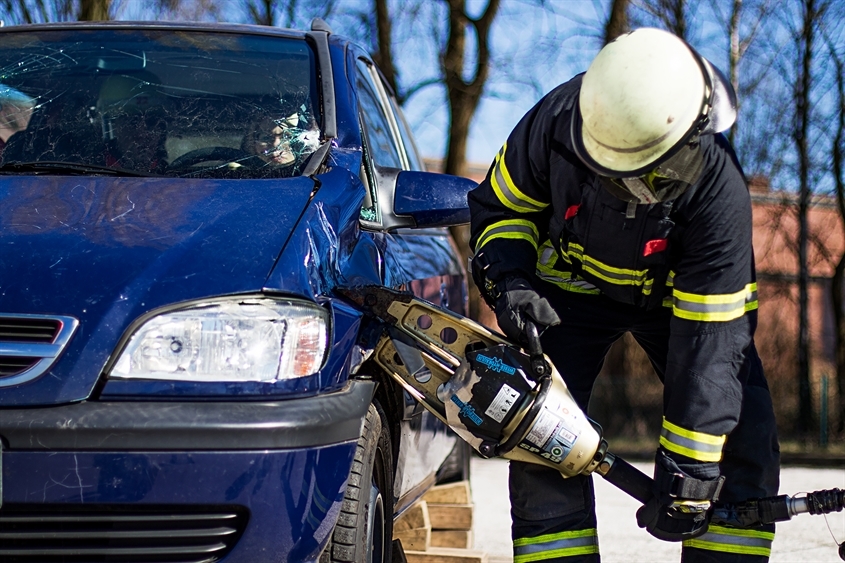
628, 478
535, 350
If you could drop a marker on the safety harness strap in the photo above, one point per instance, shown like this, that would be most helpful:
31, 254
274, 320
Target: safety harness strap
686, 487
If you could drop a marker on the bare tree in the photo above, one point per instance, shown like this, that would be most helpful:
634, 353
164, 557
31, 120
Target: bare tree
670, 14
838, 282
383, 56
94, 10
25, 11
739, 42
617, 21
263, 12
464, 94
811, 13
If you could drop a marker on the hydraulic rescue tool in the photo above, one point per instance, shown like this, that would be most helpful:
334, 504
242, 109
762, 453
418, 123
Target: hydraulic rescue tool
506, 403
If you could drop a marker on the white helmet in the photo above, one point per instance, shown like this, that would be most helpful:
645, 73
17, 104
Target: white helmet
646, 95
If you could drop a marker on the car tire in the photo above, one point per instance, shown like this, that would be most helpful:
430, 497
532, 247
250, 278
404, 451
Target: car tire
456, 466
364, 529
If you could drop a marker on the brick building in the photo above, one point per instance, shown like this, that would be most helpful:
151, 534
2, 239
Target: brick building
775, 247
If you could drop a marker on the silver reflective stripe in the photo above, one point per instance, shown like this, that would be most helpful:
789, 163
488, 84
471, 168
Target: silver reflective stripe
733, 540
506, 229
574, 282
710, 307
696, 445
547, 255
507, 193
553, 545
691, 444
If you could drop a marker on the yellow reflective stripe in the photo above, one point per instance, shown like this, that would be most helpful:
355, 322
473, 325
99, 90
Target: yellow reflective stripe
734, 540
714, 308
509, 229
694, 445
564, 279
509, 195
606, 272
670, 282
552, 554
549, 546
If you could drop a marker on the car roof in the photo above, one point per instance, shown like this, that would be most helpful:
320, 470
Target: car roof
173, 26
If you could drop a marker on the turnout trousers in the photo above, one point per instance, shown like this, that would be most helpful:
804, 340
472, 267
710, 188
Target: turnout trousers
554, 519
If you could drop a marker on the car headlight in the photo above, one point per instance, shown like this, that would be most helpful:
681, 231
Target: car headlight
244, 340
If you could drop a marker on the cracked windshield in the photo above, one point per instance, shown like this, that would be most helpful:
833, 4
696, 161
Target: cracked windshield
199, 105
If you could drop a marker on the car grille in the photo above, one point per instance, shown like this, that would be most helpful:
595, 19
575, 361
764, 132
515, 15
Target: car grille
10, 365
30, 344
154, 534
29, 329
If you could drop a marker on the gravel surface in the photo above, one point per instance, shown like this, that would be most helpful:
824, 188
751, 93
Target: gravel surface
805, 538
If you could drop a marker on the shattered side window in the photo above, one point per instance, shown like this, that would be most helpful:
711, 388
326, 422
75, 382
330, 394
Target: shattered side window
160, 102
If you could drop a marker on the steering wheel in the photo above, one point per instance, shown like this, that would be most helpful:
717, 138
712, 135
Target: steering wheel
207, 154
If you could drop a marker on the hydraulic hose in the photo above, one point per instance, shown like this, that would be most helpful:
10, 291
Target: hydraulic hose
745, 514
777, 509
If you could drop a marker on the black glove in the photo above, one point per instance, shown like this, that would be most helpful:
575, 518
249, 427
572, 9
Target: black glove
515, 303
682, 496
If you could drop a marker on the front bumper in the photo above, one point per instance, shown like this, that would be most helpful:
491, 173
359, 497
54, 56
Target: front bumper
201, 425
283, 465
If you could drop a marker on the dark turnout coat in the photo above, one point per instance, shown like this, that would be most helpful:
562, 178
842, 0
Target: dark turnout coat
542, 214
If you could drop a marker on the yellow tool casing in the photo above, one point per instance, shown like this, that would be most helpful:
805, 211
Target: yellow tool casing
427, 353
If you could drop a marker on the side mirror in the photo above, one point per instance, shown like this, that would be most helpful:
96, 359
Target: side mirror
431, 199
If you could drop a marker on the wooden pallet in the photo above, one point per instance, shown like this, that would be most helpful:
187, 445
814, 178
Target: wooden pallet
438, 527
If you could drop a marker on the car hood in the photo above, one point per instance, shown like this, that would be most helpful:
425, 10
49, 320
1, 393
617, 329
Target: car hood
106, 250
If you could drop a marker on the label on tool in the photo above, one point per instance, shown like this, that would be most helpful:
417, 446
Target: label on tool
502, 403
552, 436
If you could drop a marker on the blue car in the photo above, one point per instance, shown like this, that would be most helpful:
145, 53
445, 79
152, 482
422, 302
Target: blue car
180, 378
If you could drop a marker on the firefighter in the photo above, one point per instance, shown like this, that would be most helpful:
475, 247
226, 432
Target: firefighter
616, 205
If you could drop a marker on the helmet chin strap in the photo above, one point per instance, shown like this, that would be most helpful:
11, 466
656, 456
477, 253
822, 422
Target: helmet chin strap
635, 190
640, 190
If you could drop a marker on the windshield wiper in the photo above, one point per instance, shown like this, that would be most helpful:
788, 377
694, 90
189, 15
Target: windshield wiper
60, 167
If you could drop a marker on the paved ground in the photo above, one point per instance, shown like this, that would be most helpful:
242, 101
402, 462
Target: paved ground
805, 538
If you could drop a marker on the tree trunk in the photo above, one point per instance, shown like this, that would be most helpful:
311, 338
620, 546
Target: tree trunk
800, 133
733, 62
463, 97
261, 12
94, 10
617, 22
383, 57
837, 285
